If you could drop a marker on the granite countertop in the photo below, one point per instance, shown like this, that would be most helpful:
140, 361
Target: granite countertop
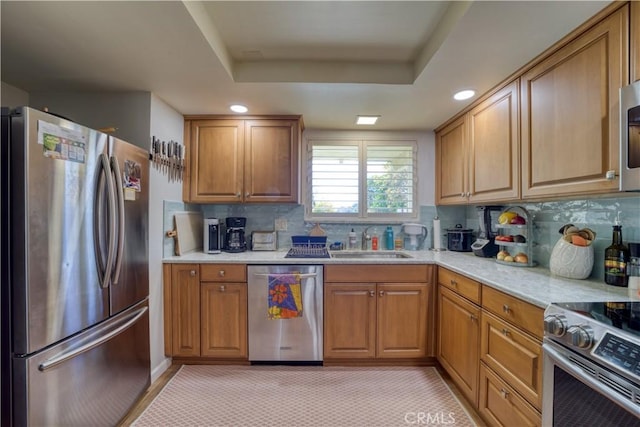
535, 285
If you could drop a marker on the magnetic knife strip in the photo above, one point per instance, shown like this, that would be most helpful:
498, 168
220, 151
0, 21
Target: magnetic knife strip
168, 156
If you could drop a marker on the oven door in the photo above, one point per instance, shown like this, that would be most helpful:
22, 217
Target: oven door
577, 391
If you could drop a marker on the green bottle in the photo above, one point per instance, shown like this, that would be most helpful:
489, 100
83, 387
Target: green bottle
616, 258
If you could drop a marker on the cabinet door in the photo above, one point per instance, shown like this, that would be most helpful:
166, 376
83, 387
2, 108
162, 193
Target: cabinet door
494, 147
451, 166
216, 160
224, 319
349, 320
516, 357
271, 161
458, 341
402, 320
635, 41
501, 406
185, 309
570, 113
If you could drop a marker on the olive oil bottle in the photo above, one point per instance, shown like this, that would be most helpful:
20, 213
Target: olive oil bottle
616, 258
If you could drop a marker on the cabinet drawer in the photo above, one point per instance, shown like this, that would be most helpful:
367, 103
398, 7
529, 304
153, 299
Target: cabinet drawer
360, 273
460, 284
515, 356
520, 313
223, 273
500, 405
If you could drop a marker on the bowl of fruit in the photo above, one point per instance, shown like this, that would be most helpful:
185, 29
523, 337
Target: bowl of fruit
572, 256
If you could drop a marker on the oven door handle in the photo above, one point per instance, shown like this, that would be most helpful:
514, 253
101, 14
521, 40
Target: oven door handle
578, 374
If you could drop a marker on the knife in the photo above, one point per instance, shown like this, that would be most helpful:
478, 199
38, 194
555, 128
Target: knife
151, 148
170, 159
163, 156
181, 161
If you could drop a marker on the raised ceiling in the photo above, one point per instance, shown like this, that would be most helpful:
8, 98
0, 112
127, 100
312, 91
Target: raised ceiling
328, 61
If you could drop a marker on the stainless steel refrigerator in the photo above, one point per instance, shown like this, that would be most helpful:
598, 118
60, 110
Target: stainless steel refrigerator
75, 286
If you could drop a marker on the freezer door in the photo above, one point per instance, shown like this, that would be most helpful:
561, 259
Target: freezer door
130, 276
55, 281
90, 380
291, 339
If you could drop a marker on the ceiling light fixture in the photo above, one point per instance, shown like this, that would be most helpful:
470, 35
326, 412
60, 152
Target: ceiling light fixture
464, 94
237, 108
367, 120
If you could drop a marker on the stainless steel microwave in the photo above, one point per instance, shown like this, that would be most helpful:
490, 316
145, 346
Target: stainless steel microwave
630, 137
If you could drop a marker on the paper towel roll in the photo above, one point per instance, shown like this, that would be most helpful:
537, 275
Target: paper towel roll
437, 241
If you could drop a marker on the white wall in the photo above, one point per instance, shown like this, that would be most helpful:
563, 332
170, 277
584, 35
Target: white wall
166, 124
426, 154
11, 96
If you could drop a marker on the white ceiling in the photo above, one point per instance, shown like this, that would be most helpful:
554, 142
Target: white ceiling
328, 61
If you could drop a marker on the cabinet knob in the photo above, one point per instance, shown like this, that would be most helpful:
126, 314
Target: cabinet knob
192, 273
372, 293
462, 194
221, 273
454, 283
505, 332
238, 194
468, 194
506, 308
381, 293
473, 318
222, 288
504, 393
247, 194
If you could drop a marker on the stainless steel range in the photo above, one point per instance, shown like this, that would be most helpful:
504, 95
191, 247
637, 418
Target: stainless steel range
591, 364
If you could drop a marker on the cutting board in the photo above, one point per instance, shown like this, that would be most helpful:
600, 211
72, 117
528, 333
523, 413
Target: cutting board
188, 232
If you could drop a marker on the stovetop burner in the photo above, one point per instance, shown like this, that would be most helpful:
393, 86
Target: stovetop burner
623, 315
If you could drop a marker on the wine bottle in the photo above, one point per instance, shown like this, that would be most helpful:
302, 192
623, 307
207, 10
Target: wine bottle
616, 258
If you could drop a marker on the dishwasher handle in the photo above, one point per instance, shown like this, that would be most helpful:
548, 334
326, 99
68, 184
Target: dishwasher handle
302, 276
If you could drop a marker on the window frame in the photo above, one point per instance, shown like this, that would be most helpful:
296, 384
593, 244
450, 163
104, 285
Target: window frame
362, 216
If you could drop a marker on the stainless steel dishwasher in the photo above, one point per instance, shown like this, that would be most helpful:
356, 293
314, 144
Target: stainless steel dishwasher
285, 312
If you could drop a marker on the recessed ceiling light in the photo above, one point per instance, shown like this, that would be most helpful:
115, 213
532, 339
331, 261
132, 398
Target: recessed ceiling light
237, 108
367, 120
464, 94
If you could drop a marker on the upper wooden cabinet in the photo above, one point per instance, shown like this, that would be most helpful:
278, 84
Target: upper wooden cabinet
229, 160
570, 113
477, 155
635, 41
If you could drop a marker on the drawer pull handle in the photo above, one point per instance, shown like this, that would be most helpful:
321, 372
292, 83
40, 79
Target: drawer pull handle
505, 332
192, 273
222, 288
372, 293
504, 393
221, 273
506, 308
381, 293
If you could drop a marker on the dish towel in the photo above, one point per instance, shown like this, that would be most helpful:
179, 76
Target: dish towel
285, 298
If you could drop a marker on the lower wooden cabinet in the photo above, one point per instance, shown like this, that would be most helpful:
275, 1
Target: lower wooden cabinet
205, 319
365, 318
459, 340
514, 355
500, 405
224, 320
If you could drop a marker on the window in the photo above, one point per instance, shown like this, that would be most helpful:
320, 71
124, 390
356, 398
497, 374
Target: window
361, 180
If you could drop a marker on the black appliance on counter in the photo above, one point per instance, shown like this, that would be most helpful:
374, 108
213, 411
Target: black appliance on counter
485, 245
235, 239
459, 239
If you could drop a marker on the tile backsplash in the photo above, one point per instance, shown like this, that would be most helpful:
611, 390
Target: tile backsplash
598, 214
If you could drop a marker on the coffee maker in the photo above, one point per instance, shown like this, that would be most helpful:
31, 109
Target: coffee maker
235, 240
485, 246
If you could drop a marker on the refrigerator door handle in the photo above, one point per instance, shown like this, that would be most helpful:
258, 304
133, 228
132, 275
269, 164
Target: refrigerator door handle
120, 326
120, 196
104, 268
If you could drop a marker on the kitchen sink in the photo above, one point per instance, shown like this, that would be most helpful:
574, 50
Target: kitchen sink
369, 255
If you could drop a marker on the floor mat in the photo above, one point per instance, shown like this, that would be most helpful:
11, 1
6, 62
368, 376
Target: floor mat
214, 395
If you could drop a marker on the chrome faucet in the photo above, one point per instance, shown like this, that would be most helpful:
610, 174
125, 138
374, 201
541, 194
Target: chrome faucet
366, 238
